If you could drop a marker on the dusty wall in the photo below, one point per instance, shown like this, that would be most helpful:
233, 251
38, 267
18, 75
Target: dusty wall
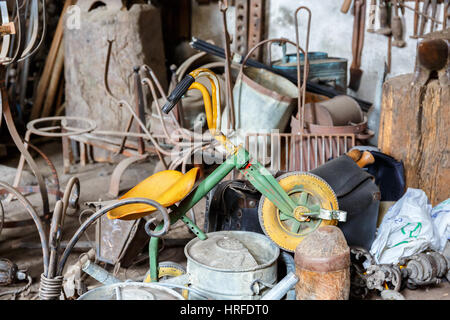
331, 31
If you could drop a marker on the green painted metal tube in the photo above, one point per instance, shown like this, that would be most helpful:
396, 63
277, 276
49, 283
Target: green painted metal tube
153, 255
238, 160
265, 183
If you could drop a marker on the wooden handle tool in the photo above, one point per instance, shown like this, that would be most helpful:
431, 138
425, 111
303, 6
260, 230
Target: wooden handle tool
346, 5
384, 19
362, 159
397, 28
355, 71
416, 19
366, 159
424, 19
361, 32
433, 14
355, 154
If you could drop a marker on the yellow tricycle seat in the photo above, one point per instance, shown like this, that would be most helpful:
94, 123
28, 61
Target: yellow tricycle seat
166, 187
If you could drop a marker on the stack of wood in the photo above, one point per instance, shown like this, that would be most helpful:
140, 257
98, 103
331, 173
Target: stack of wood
50, 89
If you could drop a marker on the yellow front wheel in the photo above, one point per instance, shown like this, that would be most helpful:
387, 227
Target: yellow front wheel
310, 193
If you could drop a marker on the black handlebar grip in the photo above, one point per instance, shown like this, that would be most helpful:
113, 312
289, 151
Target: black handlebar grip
181, 88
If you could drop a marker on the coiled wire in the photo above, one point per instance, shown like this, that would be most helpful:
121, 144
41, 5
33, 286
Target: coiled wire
14, 293
50, 289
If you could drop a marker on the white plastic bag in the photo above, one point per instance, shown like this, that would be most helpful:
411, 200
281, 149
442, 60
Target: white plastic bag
441, 220
406, 229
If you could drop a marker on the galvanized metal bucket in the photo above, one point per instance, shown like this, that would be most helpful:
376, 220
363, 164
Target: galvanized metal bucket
263, 100
221, 267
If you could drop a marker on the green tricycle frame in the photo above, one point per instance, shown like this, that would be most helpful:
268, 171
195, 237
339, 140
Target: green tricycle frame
239, 159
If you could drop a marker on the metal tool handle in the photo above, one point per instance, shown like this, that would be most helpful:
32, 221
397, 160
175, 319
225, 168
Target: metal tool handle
346, 6
301, 85
181, 88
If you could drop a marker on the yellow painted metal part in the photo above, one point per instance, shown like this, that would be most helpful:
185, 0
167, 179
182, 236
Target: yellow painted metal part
211, 113
168, 271
165, 272
166, 187
269, 215
210, 119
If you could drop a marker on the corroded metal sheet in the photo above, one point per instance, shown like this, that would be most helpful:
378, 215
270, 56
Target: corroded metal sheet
256, 26
241, 34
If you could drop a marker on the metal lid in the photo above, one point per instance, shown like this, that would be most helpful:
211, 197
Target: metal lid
232, 251
131, 291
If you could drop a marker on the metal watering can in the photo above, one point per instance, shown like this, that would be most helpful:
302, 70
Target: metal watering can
233, 265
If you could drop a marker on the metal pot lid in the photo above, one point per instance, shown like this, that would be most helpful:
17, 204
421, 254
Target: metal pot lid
228, 251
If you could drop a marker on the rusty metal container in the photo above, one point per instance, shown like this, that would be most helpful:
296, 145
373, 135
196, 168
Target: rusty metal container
322, 68
322, 262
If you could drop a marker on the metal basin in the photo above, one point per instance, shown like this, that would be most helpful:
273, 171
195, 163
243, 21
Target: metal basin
131, 291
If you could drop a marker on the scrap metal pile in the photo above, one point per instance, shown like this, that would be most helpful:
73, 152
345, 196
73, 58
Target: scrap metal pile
278, 150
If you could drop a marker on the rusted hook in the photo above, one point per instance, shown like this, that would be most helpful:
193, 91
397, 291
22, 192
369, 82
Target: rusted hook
108, 60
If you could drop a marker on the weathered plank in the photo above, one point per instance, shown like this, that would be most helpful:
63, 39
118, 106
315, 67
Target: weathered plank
414, 128
136, 35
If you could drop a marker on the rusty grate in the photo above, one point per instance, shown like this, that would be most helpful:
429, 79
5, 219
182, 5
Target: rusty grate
296, 151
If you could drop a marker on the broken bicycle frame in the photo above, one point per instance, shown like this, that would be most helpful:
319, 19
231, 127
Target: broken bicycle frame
239, 159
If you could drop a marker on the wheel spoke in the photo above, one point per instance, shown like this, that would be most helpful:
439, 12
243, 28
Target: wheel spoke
295, 226
303, 199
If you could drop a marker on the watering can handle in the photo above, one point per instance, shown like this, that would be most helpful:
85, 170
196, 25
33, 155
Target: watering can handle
177, 93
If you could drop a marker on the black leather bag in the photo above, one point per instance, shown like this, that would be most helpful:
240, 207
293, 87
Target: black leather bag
389, 176
232, 205
357, 194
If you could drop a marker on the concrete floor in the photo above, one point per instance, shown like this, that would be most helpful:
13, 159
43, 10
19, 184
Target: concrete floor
22, 246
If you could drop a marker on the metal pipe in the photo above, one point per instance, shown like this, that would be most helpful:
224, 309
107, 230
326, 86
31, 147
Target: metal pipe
282, 287
290, 268
37, 221
94, 217
98, 273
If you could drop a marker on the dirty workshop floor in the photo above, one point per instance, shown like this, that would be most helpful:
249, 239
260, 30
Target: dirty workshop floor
22, 246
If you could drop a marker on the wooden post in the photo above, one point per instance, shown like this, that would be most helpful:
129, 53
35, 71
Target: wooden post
414, 128
55, 80
49, 64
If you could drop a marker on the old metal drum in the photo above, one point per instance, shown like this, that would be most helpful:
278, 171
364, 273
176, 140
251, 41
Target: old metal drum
236, 265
